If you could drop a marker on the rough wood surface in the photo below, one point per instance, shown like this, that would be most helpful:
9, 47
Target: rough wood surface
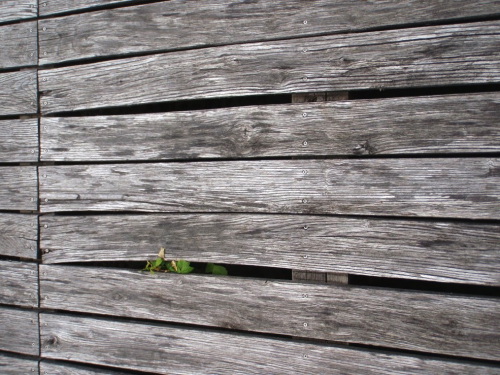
11, 10
18, 93
19, 235
179, 24
169, 350
438, 55
452, 187
47, 368
20, 331
18, 188
19, 283
49, 7
422, 125
19, 141
19, 45
10, 365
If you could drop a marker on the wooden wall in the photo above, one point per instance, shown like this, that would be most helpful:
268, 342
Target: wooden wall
340, 158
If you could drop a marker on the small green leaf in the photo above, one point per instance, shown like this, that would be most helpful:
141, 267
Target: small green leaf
215, 269
209, 268
184, 266
157, 262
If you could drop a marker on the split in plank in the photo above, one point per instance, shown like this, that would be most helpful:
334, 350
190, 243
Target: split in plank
50, 7
19, 283
17, 366
170, 350
12, 10
443, 252
20, 331
19, 141
180, 24
418, 125
70, 369
451, 187
18, 188
19, 235
19, 45
437, 55
18, 93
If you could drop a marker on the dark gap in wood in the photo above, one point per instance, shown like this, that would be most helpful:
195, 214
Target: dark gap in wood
19, 356
4, 211
18, 68
18, 259
85, 366
14, 117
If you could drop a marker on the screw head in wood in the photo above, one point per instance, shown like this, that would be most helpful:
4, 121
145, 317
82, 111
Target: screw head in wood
304, 200
44, 28
304, 114
305, 256
305, 22
304, 143
305, 325
306, 227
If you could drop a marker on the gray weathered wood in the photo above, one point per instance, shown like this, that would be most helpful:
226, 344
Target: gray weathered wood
19, 235
169, 350
440, 124
19, 140
65, 369
446, 252
451, 187
20, 331
19, 283
17, 366
11, 10
178, 24
19, 45
438, 55
426, 322
18, 188
18, 93
49, 7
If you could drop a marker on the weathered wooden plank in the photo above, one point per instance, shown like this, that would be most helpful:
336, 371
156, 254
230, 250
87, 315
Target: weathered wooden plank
19, 141
17, 366
453, 187
425, 322
443, 55
18, 93
170, 350
19, 45
20, 331
49, 7
11, 10
19, 283
444, 252
178, 24
18, 188
19, 235
421, 125
67, 369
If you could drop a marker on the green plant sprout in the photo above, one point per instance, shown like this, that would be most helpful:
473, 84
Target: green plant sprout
160, 264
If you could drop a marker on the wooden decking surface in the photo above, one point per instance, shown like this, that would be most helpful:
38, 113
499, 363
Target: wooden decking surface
340, 158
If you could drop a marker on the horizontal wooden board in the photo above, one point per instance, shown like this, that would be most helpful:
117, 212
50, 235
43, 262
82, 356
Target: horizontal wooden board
18, 188
48, 7
17, 366
19, 141
66, 369
18, 93
425, 322
19, 235
19, 283
176, 24
170, 350
19, 45
451, 187
20, 331
11, 10
423, 125
438, 55
443, 252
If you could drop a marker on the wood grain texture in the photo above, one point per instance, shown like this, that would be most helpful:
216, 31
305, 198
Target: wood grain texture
438, 55
11, 10
19, 45
452, 187
19, 283
20, 331
169, 350
18, 93
18, 188
179, 24
435, 323
47, 368
19, 235
49, 7
422, 125
443, 252
17, 366
19, 141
